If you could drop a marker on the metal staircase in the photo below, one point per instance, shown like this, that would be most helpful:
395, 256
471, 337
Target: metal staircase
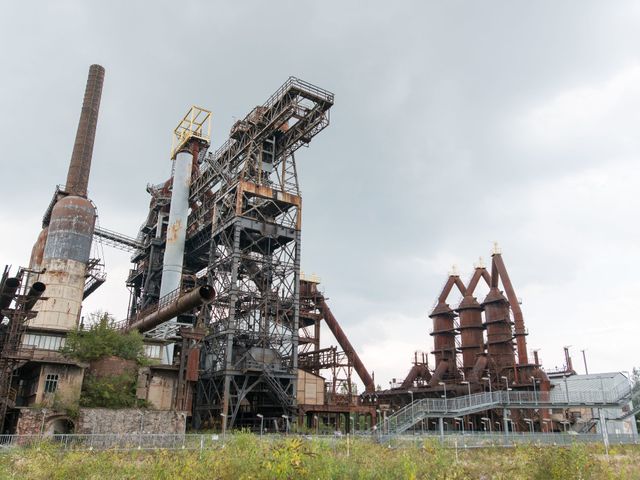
411, 414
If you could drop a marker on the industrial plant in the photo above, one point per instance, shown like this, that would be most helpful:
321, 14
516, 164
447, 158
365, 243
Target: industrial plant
232, 327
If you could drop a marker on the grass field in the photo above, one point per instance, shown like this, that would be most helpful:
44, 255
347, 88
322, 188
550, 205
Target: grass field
245, 456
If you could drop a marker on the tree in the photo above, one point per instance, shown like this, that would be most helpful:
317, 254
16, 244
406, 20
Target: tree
103, 339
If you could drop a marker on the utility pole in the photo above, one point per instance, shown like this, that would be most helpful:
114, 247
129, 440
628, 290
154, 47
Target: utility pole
584, 358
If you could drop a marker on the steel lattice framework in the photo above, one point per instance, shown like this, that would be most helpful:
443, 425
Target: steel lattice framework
245, 221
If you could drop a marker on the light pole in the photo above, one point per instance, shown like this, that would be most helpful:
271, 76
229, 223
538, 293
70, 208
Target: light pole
261, 417
461, 422
445, 394
286, 420
410, 392
535, 395
317, 420
488, 379
488, 421
530, 422
464, 382
506, 380
224, 426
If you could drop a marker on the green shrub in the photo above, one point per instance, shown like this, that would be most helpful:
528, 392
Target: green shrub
114, 391
103, 339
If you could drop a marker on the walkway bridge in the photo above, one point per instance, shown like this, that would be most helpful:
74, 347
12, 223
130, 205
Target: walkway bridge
440, 408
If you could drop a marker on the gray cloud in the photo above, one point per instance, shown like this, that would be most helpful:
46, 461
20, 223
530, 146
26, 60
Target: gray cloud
452, 128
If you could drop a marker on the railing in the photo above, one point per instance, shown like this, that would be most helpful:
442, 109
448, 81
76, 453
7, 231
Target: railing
217, 440
409, 415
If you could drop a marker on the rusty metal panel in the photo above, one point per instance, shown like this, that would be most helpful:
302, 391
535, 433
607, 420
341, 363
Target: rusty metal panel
193, 363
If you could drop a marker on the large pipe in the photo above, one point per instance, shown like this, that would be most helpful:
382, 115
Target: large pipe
345, 344
518, 320
80, 166
8, 292
33, 295
182, 304
177, 229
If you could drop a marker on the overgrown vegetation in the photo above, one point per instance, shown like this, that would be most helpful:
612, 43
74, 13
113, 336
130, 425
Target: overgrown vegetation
247, 456
102, 340
114, 391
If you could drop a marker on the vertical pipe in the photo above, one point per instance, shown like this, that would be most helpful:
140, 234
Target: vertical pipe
520, 330
80, 166
177, 229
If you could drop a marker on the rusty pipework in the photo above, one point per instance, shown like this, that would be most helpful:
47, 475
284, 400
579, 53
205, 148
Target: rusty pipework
344, 343
9, 290
309, 291
182, 304
520, 332
33, 295
80, 166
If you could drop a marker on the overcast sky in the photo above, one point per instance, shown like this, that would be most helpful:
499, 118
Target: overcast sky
455, 124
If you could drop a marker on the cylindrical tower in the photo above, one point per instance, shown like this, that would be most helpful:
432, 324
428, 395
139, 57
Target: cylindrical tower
65, 260
37, 252
499, 331
67, 240
80, 165
444, 342
471, 333
177, 227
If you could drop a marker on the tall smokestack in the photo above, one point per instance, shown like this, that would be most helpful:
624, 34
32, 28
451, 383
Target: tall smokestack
67, 240
80, 166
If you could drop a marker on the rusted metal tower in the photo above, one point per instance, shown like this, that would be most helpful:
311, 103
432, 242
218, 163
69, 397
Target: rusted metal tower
18, 295
245, 223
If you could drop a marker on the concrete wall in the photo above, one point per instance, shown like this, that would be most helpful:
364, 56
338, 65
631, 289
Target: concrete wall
130, 420
310, 388
32, 421
157, 386
65, 285
111, 366
68, 388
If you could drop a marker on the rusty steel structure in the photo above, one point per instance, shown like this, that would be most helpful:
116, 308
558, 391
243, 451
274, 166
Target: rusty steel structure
315, 308
477, 345
18, 296
240, 235
335, 366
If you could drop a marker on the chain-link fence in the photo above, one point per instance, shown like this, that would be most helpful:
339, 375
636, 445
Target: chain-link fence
213, 441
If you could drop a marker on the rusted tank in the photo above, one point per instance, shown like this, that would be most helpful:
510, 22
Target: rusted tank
499, 334
65, 256
471, 332
37, 252
444, 343
71, 230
